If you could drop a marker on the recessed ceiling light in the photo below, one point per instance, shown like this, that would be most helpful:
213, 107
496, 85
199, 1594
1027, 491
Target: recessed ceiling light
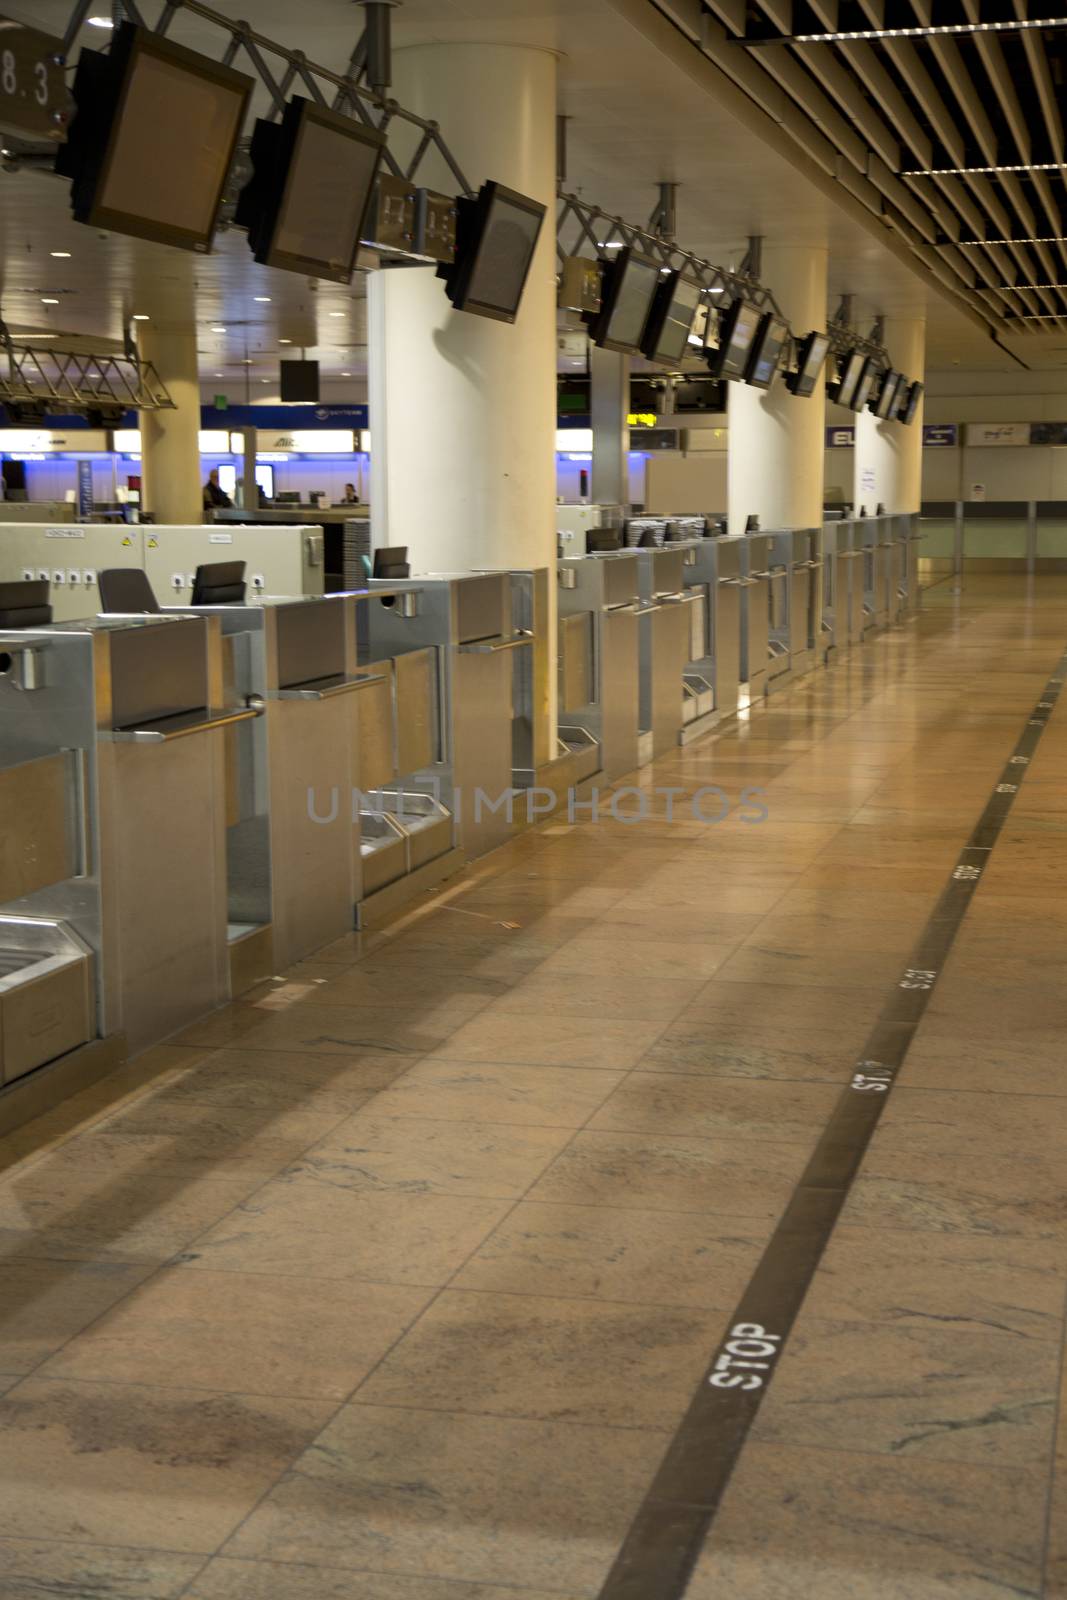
101, 22
262, 299
141, 316
285, 341
220, 374
49, 300
346, 374
217, 328
248, 362
264, 380
61, 255
338, 313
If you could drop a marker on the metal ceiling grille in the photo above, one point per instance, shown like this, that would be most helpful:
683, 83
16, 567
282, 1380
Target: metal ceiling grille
941, 116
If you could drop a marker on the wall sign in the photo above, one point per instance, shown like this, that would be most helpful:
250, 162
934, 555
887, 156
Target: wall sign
842, 437
998, 433
85, 488
944, 434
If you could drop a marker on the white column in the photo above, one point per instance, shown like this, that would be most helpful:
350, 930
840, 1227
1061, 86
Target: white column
775, 441
462, 408
171, 487
888, 456
609, 407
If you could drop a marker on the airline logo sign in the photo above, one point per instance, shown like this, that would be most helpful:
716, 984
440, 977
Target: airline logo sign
998, 433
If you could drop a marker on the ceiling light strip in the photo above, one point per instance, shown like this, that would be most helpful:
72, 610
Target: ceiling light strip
1014, 25
1049, 238
956, 172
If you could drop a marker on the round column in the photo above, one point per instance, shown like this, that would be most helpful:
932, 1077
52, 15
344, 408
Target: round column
775, 440
462, 408
888, 456
170, 450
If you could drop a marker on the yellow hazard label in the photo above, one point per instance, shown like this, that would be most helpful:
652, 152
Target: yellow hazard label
153, 544
126, 542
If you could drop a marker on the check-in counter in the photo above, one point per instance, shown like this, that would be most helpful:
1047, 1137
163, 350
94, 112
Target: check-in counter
670, 634
843, 583
598, 654
466, 620
280, 558
290, 779
136, 709
715, 568
875, 534
538, 761
796, 571
755, 616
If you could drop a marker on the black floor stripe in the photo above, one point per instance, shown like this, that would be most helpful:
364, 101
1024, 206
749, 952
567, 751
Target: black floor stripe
666, 1537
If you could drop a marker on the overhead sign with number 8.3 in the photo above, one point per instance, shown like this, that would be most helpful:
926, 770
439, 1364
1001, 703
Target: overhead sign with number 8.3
34, 98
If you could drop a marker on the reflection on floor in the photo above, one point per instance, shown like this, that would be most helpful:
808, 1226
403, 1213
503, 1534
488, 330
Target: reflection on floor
393, 1281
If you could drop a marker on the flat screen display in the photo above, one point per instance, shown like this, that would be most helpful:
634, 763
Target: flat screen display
630, 284
909, 401
307, 201
673, 316
329, 185
265, 479
496, 236
810, 359
153, 139
767, 350
885, 397
298, 382
864, 385
737, 331
503, 261
850, 373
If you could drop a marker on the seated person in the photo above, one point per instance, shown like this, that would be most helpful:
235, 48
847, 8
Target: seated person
350, 497
214, 494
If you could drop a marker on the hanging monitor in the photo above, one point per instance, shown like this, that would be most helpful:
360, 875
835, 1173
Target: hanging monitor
629, 288
884, 398
864, 384
670, 322
307, 202
496, 236
850, 369
908, 403
298, 383
152, 139
811, 356
767, 348
737, 329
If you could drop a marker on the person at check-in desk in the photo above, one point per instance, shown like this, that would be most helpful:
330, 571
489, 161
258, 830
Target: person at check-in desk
214, 493
350, 497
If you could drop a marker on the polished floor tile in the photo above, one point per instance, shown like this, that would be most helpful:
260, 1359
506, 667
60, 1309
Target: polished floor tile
429, 1493
171, 1469
228, 1579
308, 1338
394, 1279
596, 1252
933, 1392
30, 1568
306, 1223
800, 1522
430, 1156
618, 1364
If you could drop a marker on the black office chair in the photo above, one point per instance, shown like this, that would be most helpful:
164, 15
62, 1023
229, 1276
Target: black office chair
219, 583
126, 591
25, 605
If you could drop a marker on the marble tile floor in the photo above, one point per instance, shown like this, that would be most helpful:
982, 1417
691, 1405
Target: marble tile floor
393, 1280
